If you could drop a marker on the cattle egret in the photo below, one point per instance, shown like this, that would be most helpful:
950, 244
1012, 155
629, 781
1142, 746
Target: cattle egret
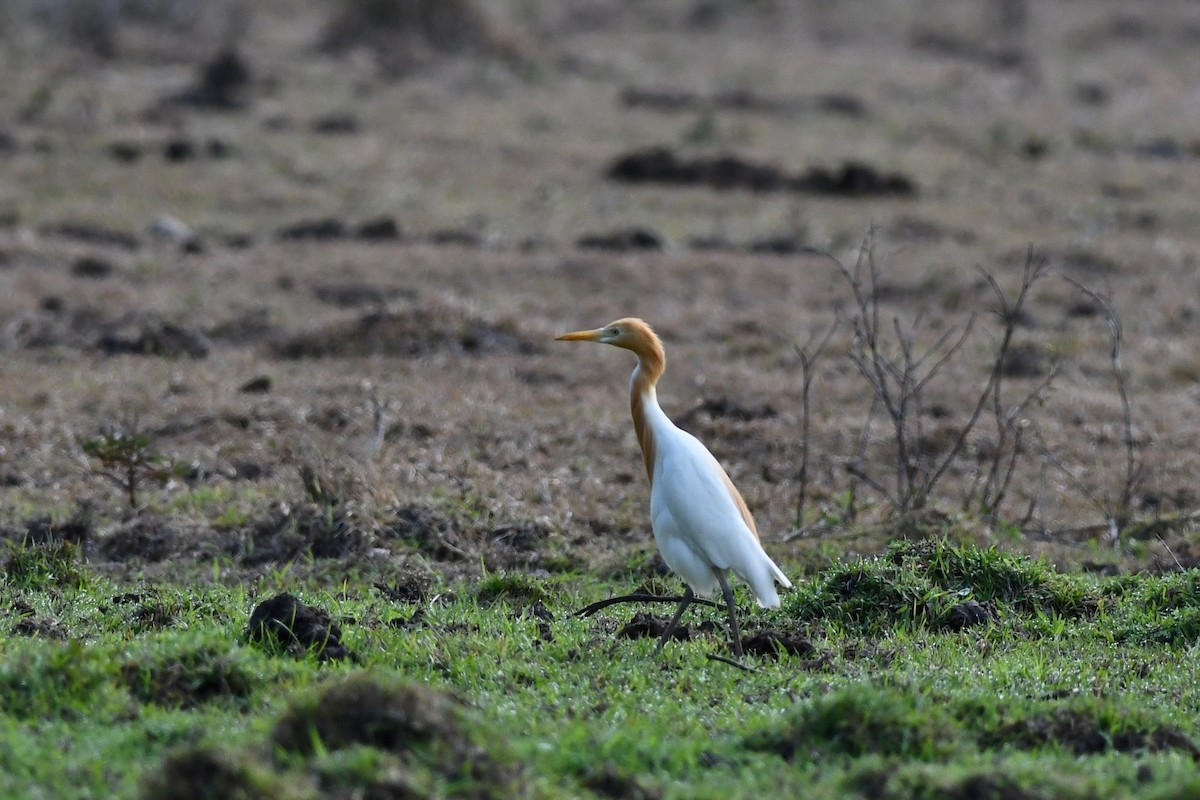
701, 524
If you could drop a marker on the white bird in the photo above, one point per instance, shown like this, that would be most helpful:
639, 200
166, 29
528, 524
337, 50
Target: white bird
701, 524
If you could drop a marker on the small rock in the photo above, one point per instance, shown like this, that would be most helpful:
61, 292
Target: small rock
170, 228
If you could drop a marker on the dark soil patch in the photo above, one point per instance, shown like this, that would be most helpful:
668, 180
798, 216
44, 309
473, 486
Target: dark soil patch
325, 229
729, 172
355, 295
147, 335
400, 718
726, 408
428, 531
877, 782
259, 384
770, 643
90, 233
784, 244
411, 587
126, 152
741, 100
31, 624
620, 241
645, 625
223, 84
409, 35
247, 327
204, 773
411, 333
1024, 360
151, 538
609, 780
310, 530
455, 237
378, 229
77, 530
284, 623
92, 267
337, 123
1084, 732
969, 614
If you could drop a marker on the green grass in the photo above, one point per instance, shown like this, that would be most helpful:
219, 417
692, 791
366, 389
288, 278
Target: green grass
1075, 687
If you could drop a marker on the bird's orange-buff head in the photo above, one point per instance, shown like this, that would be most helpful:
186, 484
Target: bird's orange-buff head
635, 335
631, 334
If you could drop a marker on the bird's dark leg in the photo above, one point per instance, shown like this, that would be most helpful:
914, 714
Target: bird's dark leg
733, 625
688, 596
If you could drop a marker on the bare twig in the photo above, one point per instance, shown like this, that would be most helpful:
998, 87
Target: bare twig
809, 354
1120, 515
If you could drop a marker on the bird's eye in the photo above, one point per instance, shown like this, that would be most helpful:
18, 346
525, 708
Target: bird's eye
613, 332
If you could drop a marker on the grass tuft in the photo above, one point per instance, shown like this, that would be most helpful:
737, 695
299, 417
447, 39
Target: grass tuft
36, 567
207, 773
190, 677
857, 721
512, 586
926, 584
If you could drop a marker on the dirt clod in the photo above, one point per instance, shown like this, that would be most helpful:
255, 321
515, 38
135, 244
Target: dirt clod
367, 711
286, 622
204, 773
970, 614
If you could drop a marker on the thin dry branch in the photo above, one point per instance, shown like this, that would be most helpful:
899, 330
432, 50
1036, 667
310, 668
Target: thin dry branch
1119, 515
809, 355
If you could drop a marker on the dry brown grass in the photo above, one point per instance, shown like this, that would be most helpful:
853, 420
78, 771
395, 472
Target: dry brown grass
511, 163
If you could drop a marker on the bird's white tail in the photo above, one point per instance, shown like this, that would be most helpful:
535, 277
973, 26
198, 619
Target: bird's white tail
763, 584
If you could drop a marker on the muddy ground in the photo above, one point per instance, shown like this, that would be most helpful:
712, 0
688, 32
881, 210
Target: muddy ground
320, 268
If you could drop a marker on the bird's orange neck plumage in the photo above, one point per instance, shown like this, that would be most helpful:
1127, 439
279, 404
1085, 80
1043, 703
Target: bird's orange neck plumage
646, 345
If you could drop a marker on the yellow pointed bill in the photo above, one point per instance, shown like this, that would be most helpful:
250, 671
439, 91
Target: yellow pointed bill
579, 336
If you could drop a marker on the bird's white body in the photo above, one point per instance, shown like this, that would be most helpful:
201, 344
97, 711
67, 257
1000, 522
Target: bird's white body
698, 525
701, 524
